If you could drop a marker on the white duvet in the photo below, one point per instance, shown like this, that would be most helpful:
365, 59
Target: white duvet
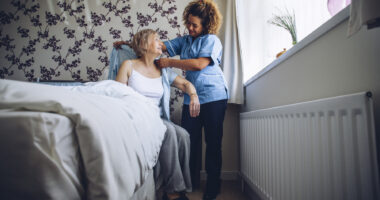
119, 131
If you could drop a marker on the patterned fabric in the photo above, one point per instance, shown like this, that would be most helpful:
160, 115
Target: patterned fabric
72, 39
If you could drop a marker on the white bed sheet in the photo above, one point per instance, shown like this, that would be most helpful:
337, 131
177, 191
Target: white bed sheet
119, 132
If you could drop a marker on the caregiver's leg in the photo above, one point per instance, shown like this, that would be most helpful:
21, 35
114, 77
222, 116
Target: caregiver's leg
170, 168
213, 117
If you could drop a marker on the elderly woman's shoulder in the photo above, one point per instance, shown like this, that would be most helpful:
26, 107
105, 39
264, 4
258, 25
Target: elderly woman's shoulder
128, 63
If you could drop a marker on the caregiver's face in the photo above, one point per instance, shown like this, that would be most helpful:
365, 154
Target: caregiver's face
194, 26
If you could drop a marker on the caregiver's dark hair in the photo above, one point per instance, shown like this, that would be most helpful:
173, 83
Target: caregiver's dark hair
208, 12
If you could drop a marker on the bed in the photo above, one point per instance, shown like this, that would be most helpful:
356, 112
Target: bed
98, 140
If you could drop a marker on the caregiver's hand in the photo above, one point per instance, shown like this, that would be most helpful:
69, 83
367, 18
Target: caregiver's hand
162, 62
118, 44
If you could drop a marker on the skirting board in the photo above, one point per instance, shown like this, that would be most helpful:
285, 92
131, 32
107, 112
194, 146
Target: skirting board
250, 189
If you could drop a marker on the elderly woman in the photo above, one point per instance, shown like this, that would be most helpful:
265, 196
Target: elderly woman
154, 83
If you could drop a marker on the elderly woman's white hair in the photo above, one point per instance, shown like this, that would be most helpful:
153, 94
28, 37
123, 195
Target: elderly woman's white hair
140, 41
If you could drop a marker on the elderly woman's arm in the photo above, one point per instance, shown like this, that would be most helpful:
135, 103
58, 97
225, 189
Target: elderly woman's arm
187, 87
124, 72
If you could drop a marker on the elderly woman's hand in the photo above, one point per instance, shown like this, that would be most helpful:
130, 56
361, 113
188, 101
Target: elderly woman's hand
194, 105
162, 62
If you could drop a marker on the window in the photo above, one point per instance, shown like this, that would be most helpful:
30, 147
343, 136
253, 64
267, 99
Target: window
262, 41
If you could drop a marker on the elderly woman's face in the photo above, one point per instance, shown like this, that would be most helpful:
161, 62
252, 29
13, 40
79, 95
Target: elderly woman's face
154, 44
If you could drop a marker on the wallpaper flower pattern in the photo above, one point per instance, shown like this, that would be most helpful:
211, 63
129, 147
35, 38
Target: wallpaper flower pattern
72, 39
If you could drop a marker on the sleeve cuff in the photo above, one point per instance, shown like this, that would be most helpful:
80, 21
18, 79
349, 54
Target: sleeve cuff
169, 48
209, 55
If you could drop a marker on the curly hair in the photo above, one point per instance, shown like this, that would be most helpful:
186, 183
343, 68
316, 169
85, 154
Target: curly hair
208, 12
140, 41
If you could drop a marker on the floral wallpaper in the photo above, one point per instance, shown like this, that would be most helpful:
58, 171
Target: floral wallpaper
72, 39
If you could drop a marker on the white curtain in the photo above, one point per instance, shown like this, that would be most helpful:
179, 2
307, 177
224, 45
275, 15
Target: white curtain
261, 41
363, 12
231, 60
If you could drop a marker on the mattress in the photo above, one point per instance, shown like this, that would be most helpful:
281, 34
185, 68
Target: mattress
39, 154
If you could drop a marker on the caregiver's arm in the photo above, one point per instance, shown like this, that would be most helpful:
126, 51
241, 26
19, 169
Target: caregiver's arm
189, 88
195, 64
118, 44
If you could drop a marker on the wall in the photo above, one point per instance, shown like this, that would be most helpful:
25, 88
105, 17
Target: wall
330, 66
231, 140
72, 39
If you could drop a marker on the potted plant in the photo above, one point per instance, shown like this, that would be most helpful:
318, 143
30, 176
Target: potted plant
288, 22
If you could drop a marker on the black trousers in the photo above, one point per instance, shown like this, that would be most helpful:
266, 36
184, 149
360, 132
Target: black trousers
211, 118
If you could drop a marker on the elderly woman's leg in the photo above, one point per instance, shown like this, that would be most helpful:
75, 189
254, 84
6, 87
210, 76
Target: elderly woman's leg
174, 160
183, 139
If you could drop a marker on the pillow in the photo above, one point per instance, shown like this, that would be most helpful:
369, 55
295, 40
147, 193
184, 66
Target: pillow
117, 57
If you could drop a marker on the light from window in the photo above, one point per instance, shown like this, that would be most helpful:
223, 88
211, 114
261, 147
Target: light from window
262, 41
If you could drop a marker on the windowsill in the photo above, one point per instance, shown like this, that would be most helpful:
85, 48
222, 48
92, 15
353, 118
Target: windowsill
324, 28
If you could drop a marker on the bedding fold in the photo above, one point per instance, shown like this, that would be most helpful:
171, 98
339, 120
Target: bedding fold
119, 131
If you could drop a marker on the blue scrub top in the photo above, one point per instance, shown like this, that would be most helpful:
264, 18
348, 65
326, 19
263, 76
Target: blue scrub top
209, 82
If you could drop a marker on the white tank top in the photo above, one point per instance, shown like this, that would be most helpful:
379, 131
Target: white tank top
149, 87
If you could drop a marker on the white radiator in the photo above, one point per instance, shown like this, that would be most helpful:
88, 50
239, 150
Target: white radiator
322, 150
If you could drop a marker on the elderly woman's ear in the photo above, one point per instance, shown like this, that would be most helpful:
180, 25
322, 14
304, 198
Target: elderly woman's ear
118, 44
